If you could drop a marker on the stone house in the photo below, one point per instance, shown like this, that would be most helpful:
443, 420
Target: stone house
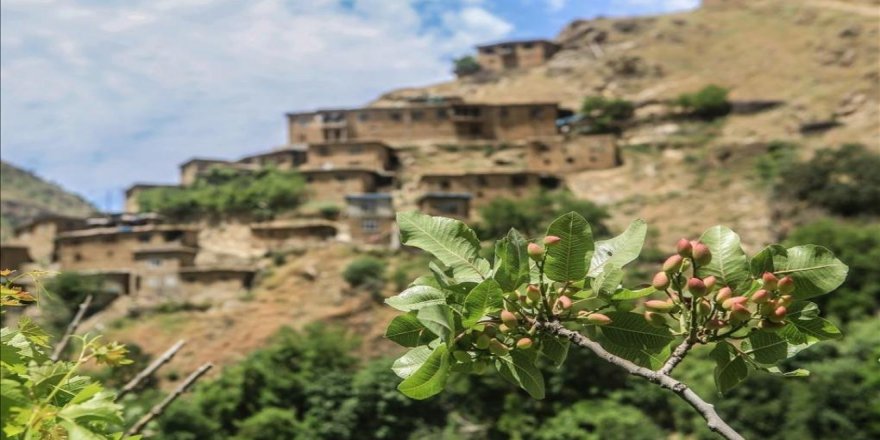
349, 154
283, 159
215, 283
509, 55
116, 247
191, 170
446, 204
332, 185
370, 217
436, 121
39, 235
577, 153
285, 234
488, 185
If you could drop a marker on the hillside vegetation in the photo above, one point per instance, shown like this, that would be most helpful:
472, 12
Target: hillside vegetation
24, 196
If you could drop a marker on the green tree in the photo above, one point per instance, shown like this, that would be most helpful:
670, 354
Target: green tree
844, 181
606, 115
502, 214
465, 66
365, 272
710, 102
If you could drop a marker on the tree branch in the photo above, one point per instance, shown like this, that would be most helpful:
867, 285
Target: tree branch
147, 372
676, 358
159, 408
71, 329
707, 410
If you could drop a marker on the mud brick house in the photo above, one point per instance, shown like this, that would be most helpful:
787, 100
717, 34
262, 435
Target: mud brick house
488, 185
115, 247
283, 158
573, 154
283, 234
39, 235
331, 185
455, 205
133, 193
372, 155
441, 120
509, 55
191, 170
14, 256
211, 282
370, 217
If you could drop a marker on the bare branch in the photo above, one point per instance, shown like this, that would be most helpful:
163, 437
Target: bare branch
147, 372
71, 329
707, 410
676, 358
159, 408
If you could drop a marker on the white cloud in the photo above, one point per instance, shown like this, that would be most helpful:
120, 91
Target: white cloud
99, 95
556, 5
648, 6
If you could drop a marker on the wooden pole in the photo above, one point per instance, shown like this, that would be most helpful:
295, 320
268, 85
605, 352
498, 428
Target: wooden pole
71, 328
160, 407
147, 372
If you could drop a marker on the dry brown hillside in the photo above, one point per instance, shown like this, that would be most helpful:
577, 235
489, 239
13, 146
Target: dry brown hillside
820, 58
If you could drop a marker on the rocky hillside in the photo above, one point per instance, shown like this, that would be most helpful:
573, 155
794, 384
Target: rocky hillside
24, 196
819, 61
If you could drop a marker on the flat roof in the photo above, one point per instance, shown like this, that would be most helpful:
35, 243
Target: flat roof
45, 218
150, 186
488, 173
369, 196
204, 159
286, 150
445, 195
119, 230
420, 106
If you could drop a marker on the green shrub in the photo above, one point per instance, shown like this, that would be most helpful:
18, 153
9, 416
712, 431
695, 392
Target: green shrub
778, 159
466, 65
269, 424
365, 272
708, 103
606, 115
329, 211
262, 194
527, 215
844, 181
599, 420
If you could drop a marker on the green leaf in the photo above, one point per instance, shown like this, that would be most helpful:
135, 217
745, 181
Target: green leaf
451, 241
626, 294
511, 261
608, 281
407, 364
766, 348
430, 378
567, 259
407, 331
729, 262
417, 297
620, 250
554, 348
631, 330
99, 407
438, 319
519, 368
483, 299
811, 328
730, 367
814, 269
763, 261
653, 358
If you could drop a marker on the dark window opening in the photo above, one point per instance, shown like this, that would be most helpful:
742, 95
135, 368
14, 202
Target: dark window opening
441, 114
444, 184
481, 180
569, 160
536, 112
418, 115
519, 180
395, 116
143, 238
172, 235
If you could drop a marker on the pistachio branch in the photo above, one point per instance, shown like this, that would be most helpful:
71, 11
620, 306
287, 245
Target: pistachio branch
707, 410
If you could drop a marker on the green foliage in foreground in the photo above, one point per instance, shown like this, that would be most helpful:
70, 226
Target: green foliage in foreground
527, 215
471, 315
308, 382
45, 399
710, 102
844, 181
262, 194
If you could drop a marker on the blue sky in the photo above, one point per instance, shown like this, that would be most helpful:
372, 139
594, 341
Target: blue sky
96, 95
